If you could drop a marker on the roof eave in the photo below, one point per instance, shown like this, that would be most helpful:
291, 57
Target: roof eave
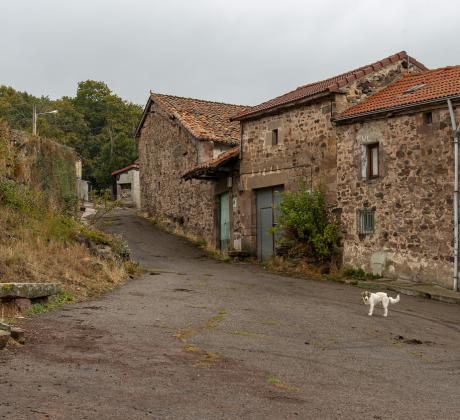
212, 172
282, 107
143, 117
363, 115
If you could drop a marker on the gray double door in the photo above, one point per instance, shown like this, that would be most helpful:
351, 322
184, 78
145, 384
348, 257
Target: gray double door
267, 201
224, 222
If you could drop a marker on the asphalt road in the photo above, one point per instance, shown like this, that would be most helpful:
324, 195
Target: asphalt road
194, 338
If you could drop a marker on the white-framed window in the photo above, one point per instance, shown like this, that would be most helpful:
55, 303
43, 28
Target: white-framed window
366, 221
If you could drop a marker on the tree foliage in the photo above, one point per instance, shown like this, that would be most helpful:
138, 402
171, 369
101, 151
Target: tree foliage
97, 123
303, 219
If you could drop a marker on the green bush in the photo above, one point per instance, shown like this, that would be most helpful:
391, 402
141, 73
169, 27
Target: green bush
62, 228
16, 196
303, 220
359, 274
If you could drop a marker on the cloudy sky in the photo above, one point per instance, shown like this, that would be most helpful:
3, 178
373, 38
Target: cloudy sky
239, 51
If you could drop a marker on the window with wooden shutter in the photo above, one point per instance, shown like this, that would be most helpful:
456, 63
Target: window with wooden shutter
372, 160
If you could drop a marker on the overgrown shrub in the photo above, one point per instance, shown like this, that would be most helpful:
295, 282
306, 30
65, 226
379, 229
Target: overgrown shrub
303, 220
16, 196
359, 274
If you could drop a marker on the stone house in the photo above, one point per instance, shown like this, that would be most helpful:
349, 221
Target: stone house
127, 185
395, 165
175, 136
223, 174
291, 139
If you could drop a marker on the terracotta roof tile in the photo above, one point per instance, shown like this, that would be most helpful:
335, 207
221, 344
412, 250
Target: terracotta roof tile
213, 163
411, 89
134, 165
324, 86
205, 120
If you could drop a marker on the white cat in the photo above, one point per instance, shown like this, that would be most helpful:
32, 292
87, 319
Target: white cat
373, 299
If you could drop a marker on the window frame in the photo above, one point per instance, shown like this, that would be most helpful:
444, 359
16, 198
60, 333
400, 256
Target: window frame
365, 221
428, 117
275, 137
370, 166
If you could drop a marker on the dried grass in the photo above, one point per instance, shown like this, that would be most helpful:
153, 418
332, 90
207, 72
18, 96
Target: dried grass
29, 254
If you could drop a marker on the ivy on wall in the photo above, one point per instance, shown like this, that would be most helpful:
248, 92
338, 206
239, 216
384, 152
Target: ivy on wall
40, 163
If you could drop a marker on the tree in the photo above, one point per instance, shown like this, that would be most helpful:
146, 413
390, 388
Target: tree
98, 124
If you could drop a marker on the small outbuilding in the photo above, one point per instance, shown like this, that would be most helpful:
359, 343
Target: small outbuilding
127, 185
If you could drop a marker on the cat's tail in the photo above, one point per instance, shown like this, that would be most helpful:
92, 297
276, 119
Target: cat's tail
393, 300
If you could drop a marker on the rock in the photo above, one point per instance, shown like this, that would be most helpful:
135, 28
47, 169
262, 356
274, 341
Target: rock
23, 304
4, 327
97, 266
104, 252
4, 337
18, 334
28, 290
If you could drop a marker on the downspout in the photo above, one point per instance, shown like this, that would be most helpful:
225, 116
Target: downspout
456, 131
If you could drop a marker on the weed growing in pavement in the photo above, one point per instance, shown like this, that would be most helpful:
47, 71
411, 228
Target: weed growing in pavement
190, 348
209, 359
275, 381
183, 334
212, 323
54, 303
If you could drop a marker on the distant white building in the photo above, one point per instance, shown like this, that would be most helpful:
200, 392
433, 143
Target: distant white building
128, 186
83, 187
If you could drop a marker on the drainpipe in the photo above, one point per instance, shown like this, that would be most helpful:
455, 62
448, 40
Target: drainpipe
456, 131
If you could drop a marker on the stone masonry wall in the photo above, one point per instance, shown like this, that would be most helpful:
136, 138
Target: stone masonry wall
372, 83
166, 152
305, 153
307, 146
412, 197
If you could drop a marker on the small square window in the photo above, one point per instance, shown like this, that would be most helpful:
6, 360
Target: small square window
366, 221
372, 157
428, 118
275, 137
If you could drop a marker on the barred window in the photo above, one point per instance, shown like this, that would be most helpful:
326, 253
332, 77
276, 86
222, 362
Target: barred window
366, 221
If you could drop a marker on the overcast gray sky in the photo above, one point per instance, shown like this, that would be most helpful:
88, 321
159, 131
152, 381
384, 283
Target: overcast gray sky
238, 51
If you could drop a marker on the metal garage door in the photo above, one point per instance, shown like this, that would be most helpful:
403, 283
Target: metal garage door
224, 222
267, 200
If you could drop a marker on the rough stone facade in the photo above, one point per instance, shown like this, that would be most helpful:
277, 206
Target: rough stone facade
411, 197
166, 152
305, 153
306, 150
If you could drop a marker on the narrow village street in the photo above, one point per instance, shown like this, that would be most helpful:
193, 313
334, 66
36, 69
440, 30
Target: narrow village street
195, 338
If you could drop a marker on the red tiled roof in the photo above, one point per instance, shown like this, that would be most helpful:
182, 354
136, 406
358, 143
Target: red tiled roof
205, 120
411, 90
134, 165
329, 85
213, 163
